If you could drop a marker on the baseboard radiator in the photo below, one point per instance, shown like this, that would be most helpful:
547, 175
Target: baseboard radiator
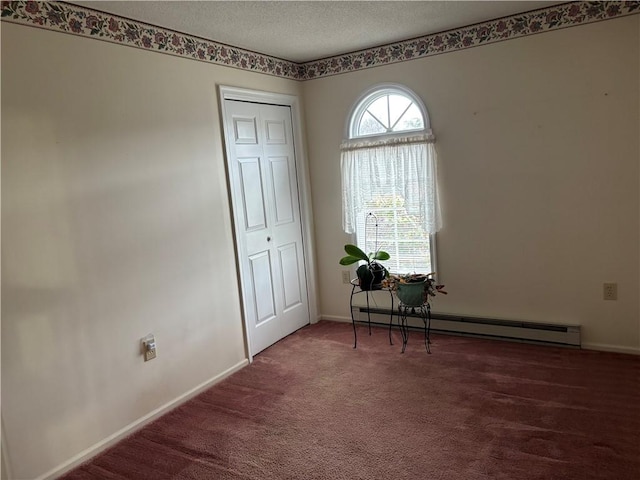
515, 330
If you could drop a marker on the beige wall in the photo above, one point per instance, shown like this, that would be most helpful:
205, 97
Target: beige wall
115, 224
538, 153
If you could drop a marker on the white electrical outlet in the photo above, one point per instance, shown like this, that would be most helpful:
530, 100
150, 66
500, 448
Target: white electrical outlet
150, 354
346, 276
610, 291
149, 347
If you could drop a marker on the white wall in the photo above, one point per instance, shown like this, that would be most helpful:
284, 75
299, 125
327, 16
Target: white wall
115, 224
539, 167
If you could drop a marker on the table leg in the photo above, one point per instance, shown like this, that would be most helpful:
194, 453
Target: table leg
427, 328
353, 320
402, 323
391, 318
368, 311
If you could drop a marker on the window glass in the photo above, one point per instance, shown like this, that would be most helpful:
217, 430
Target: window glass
370, 126
387, 113
411, 119
380, 110
399, 233
397, 107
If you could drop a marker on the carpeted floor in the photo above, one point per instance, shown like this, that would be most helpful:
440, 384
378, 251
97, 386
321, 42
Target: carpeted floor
312, 407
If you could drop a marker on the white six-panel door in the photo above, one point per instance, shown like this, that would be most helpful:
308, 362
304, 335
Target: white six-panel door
262, 168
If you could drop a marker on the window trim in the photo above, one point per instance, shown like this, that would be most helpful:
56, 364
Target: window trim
369, 96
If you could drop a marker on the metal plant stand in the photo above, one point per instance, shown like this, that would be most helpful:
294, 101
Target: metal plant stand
355, 289
404, 311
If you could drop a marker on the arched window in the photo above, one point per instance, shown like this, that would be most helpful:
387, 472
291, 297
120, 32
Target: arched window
388, 165
387, 110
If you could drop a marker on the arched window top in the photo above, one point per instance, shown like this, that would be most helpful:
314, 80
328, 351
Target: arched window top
387, 109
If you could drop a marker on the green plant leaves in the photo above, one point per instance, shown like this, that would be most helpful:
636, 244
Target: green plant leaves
349, 260
354, 251
380, 255
355, 254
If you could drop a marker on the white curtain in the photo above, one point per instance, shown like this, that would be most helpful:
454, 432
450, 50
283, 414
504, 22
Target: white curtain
404, 166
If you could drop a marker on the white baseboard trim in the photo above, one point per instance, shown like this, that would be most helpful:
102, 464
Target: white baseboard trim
136, 425
335, 318
5, 466
603, 347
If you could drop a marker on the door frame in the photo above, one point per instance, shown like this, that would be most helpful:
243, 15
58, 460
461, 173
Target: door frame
304, 192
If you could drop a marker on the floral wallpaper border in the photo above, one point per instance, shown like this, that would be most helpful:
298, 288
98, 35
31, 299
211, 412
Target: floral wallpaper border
76, 20
529, 23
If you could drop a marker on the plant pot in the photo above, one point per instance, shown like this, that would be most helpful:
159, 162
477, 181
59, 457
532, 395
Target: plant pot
379, 272
371, 276
412, 294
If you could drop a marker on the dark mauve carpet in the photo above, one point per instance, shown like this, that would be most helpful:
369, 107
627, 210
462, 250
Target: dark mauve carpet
312, 407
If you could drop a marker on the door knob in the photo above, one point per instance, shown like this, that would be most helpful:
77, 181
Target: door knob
268, 239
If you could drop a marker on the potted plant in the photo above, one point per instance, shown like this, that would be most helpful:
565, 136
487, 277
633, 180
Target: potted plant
371, 273
414, 289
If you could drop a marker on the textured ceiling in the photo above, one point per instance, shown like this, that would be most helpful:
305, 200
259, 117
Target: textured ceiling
302, 31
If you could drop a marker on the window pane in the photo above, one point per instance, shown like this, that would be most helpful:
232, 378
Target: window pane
397, 105
398, 234
370, 126
412, 119
380, 110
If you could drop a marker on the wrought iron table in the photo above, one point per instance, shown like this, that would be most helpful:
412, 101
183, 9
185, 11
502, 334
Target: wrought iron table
355, 289
424, 312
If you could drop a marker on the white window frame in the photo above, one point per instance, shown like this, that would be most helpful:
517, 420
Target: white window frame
372, 94
353, 120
